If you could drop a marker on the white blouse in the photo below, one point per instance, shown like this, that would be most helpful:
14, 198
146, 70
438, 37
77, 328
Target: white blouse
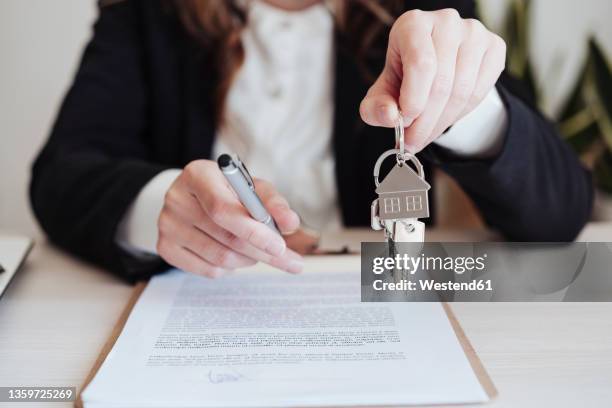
279, 110
279, 118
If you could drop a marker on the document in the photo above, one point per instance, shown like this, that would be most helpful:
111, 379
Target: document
271, 339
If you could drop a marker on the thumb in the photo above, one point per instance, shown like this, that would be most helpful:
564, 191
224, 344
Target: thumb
379, 106
286, 219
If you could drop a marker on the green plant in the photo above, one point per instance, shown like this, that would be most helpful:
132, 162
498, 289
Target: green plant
515, 32
585, 120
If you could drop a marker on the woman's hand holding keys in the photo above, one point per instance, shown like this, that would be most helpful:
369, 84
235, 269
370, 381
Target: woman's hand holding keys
204, 229
438, 68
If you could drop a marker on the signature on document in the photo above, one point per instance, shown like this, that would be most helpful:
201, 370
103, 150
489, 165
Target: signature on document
223, 376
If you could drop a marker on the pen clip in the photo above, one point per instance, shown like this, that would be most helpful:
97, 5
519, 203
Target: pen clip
245, 172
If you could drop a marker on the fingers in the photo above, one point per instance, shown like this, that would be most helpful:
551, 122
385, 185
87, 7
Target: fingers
493, 63
379, 107
439, 67
202, 244
186, 260
408, 74
206, 182
286, 219
469, 60
289, 261
419, 61
185, 224
446, 39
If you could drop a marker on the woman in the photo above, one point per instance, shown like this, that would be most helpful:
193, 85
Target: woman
164, 87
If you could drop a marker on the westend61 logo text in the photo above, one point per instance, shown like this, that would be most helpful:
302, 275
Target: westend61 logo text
412, 264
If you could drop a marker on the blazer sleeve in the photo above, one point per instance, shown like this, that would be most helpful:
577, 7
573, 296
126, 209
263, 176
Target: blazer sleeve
97, 159
535, 189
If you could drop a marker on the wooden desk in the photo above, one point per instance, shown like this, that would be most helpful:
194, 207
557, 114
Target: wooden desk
59, 311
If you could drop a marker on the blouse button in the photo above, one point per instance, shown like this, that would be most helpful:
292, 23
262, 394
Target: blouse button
276, 92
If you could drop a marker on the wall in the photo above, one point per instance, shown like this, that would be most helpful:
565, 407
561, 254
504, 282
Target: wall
40, 45
41, 42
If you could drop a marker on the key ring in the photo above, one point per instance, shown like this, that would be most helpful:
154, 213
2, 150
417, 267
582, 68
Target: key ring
399, 140
405, 157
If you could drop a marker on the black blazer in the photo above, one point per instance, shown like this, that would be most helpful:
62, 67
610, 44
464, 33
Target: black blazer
140, 104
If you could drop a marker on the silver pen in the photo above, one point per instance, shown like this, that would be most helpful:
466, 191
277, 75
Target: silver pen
241, 181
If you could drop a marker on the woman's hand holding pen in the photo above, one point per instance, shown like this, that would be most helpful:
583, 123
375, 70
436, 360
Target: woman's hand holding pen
438, 68
204, 229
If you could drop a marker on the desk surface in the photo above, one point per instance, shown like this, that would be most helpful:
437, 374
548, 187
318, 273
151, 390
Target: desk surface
59, 311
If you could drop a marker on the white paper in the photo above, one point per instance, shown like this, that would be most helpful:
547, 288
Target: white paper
270, 339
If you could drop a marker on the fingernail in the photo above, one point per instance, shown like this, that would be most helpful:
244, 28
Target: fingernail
213, 274
407, 120
290, 231
275, 247
386, 114
295, 266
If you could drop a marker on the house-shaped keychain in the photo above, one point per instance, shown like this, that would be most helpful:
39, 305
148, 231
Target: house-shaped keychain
402, 194
402, 199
